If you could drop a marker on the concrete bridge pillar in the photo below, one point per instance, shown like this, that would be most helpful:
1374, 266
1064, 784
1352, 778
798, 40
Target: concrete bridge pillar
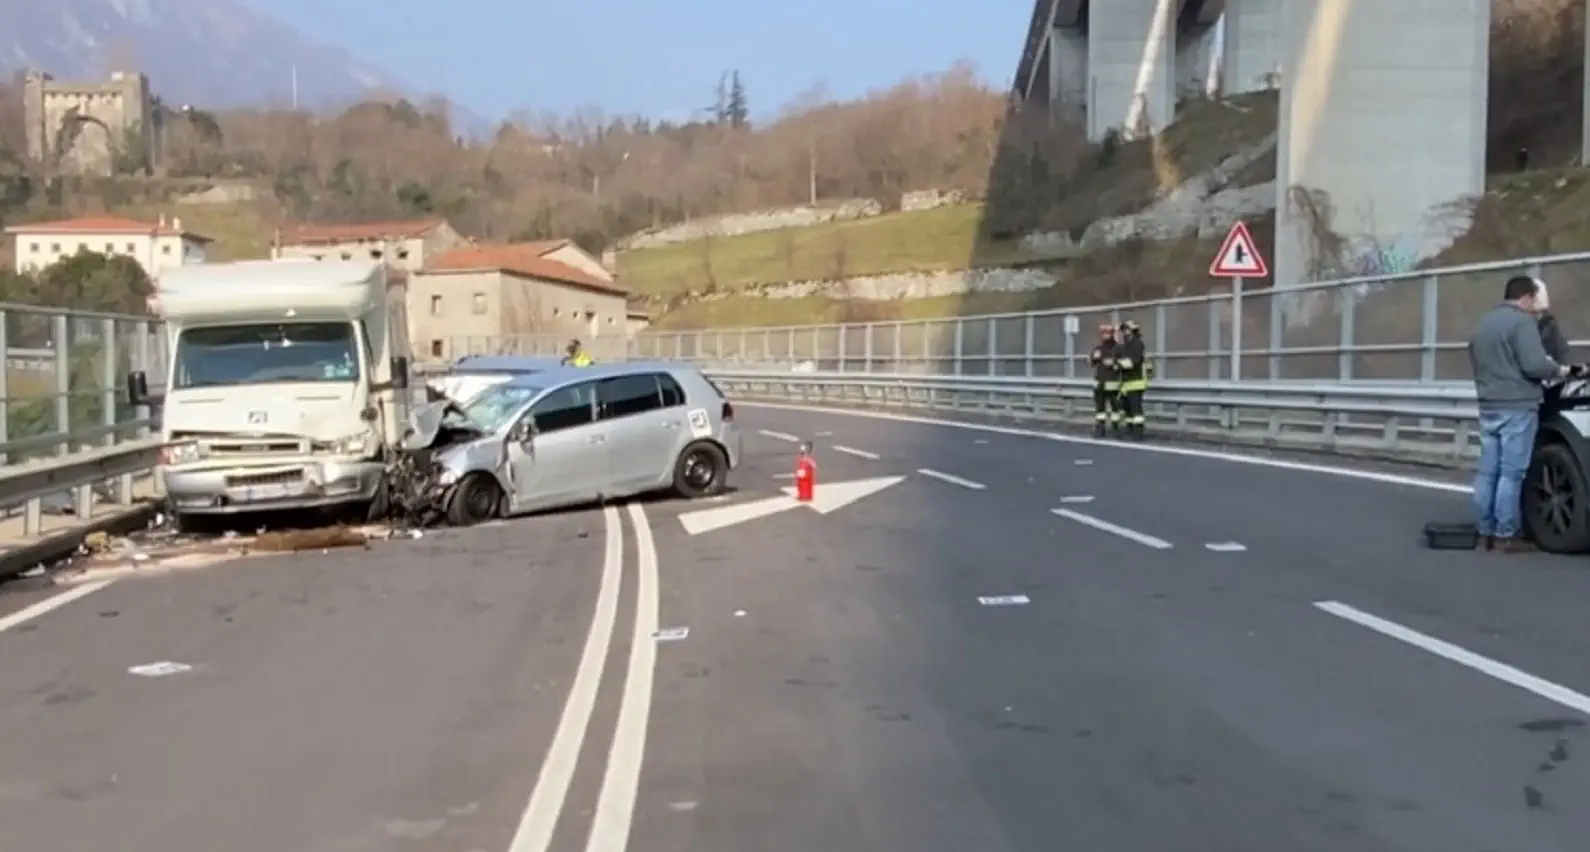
1251, 56
1383, 108
1132, 54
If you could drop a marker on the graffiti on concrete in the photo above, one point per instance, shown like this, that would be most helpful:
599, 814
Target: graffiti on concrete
1372, 258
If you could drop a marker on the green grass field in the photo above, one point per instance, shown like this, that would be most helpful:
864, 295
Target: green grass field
930, 240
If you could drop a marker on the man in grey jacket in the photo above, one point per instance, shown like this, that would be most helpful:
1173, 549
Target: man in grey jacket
1509, 363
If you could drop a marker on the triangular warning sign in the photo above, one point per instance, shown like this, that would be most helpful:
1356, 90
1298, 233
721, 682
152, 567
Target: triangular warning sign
1239, 256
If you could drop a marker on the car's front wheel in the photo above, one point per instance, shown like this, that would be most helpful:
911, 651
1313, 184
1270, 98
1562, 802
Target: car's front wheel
475, 500
1556, 504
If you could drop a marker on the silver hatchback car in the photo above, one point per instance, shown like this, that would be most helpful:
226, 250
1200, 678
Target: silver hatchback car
572, 435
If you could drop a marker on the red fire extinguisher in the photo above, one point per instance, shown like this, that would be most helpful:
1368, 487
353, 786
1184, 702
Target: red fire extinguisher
805, 475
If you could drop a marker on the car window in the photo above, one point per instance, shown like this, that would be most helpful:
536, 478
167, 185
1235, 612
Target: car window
564, 408
672, 394
625, 396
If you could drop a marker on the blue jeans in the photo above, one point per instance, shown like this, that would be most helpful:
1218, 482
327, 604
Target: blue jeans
1507, 440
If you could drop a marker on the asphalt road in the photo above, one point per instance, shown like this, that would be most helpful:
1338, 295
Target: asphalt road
1207, 656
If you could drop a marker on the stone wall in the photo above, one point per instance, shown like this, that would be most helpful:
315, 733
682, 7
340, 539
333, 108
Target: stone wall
905, 285
738, 224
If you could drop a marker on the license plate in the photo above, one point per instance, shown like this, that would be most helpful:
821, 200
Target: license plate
257, 493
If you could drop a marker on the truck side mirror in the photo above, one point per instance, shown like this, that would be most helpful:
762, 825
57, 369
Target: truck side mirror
400, 372
137, 388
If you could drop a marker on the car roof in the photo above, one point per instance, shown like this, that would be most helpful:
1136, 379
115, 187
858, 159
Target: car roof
561, 375
505, 363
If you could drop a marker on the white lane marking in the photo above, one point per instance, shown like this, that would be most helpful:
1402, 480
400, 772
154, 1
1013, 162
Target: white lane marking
980, 441
1004, 600
825, 434
1226, 546
1463, 657
951, 479
540, 816
1114, 529
1083, 462
1160, 449
781, 436
783, 476
1077, 498
615, 807
48, 605
852, 451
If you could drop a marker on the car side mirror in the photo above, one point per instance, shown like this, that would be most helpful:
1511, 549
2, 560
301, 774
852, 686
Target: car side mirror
400, 373
137, 388
524, 432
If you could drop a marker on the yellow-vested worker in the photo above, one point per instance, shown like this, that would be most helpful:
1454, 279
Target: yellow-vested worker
575, 356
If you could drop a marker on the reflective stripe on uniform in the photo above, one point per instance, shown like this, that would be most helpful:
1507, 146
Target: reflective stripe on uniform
1131, 385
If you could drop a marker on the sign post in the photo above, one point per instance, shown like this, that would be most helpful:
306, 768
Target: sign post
1239, 259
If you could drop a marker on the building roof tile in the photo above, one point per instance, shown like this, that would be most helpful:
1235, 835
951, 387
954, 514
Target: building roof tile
118, 225
523, 259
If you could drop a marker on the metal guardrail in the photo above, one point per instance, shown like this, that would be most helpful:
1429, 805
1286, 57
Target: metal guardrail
1410, 326
68, 440
1432, 424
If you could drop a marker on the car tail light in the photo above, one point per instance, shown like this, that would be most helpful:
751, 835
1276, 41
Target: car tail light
728, 413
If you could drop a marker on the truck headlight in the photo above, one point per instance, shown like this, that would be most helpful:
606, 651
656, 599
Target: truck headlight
183, 453
355, 445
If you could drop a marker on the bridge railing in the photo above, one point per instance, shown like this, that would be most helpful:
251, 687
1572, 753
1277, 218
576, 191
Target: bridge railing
1403, 327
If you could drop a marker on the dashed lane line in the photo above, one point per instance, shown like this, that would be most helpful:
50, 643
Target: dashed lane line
852, 451
951, 479
778, 436
1102, 525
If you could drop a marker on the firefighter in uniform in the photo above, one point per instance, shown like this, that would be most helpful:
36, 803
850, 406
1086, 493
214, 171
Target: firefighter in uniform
1132, 359
1106, 382
575, 356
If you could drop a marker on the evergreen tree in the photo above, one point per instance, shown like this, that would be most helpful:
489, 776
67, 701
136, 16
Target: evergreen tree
737, 109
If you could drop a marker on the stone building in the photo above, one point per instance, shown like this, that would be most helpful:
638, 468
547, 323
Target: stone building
89, 128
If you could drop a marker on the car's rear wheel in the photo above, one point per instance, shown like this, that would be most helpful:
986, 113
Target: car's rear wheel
1556, 504
476, 499
701, 471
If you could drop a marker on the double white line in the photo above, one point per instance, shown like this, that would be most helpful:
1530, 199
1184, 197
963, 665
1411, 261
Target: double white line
615, 806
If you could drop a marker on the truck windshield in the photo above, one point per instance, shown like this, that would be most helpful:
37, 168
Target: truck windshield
259, 354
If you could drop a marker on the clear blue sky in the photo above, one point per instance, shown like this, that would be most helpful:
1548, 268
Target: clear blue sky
660, 57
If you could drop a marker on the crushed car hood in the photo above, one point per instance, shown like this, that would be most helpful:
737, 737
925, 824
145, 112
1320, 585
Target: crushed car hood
425, 423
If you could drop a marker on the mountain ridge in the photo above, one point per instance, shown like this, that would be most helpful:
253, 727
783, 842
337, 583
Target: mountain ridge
212, 54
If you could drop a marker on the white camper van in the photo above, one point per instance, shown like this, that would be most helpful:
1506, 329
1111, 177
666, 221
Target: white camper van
287, 386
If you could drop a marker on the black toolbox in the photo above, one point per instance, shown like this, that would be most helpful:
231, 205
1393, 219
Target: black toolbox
1440, 535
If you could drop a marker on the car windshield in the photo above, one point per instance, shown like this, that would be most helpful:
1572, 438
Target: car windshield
493, 406
258, 354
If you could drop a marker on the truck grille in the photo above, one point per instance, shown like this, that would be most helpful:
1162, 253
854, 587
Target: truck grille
274, 477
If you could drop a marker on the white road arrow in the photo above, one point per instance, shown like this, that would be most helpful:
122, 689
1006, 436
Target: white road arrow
828, 497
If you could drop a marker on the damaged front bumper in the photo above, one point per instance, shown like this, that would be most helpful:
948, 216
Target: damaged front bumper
305, 484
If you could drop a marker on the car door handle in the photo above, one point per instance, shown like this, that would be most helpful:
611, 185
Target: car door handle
670, 424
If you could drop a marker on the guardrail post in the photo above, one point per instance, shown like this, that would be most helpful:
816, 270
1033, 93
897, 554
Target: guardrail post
867, 342
1344, 354
960, 343
817, 348
993, 347
1277, 334
899, 348
110, 377
61, 332
1028, 347
1214, 343
840, 349
143, 360
1071, 356
1161, 338
1429, 330
5, 389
